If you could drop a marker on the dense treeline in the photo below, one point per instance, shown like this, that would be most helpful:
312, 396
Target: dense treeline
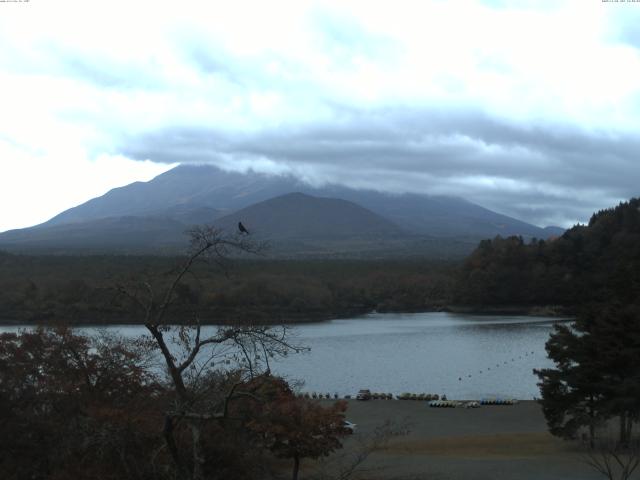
83, 289
599, 262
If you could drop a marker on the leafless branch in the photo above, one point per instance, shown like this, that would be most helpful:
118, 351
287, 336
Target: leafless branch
613, 460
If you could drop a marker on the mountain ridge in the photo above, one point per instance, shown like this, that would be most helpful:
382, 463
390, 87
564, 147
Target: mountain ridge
188, 195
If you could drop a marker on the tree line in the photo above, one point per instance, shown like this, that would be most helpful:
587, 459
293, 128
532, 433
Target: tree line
598, 262
592, 393
79, 289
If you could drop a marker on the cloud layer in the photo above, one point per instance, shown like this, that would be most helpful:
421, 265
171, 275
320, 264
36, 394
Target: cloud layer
530, 111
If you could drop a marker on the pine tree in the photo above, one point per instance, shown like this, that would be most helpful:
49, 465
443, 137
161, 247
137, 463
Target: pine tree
597, 374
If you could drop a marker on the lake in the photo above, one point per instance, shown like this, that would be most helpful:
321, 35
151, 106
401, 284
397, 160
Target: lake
462, 356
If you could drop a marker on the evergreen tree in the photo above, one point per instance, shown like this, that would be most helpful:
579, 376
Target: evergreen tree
599, 262
597, 374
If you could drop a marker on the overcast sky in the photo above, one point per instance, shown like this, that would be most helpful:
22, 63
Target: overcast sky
528, 108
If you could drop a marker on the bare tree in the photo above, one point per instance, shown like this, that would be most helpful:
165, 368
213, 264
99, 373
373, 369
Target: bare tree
613, 459
191, 353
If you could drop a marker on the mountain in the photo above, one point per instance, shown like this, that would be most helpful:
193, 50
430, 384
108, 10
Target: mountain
293, 223
191, 187
439, 216
301, 216
183, 188
188, 195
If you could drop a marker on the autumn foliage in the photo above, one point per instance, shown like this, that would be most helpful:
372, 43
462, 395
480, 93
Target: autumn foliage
73, 407
296, 428
70, 405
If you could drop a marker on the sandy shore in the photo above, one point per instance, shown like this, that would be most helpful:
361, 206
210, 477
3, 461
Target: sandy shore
487, 443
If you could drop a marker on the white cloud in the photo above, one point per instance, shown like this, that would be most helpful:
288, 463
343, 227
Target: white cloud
84, 81
35, 187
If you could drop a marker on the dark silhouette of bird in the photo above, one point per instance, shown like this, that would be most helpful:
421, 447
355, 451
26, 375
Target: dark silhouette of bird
242, 229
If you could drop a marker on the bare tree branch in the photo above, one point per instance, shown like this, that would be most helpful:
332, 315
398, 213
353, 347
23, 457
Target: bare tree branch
612, 459
181, 347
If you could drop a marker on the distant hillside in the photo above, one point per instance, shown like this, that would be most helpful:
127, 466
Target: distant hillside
599, 262
439, 216
553, 231
188, 195
296, 215
184, 188
123, 234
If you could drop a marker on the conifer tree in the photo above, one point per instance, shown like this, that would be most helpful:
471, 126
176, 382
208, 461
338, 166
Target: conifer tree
597, 373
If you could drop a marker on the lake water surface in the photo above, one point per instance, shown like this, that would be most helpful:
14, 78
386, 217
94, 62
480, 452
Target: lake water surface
462, 356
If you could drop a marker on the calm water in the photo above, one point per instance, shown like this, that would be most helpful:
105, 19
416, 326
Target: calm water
462, 356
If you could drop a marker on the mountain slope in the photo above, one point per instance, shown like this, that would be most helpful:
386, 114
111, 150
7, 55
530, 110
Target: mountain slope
439, 216
194, 187
127, 233
184, 187
297, 215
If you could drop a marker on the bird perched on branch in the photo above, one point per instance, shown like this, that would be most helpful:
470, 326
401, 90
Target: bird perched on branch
242, 229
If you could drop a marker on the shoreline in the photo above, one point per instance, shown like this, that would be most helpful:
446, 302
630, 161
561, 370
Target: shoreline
311, 318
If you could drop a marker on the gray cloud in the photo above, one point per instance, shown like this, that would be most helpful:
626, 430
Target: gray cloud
540, 173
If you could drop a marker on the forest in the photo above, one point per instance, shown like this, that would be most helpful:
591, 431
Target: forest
598, 262
83, 289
